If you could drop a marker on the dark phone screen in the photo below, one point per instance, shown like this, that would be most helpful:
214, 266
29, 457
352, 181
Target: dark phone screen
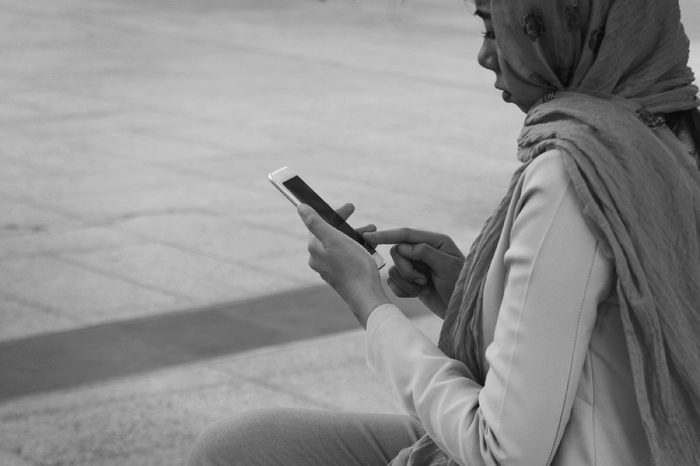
308, 196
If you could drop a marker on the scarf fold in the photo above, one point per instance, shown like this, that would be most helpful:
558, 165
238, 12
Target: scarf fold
644, 202
637, 183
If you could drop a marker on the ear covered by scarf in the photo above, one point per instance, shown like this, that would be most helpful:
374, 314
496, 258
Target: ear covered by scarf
633, 49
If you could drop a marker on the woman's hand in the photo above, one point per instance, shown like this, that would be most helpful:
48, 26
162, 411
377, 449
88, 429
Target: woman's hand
426, 265
343, 264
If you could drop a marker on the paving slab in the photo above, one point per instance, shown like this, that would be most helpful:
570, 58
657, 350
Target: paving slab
70, 290
19, 319
218, 235
201, 279
142, 416
21, 219
9, 459
82, 237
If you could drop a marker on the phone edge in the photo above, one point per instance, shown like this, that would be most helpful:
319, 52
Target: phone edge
280, 187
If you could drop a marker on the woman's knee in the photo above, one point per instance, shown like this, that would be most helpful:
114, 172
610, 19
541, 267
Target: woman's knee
238, 440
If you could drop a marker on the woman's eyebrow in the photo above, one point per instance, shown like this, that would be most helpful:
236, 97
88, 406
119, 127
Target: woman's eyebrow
482, 14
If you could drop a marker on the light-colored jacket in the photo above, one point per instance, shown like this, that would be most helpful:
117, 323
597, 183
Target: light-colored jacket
559, 387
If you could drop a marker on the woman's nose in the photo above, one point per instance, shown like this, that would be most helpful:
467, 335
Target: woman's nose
488, 56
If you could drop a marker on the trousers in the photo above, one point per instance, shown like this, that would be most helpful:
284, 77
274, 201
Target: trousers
294, 437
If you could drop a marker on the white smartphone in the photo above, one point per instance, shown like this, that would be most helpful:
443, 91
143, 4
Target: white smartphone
298, 192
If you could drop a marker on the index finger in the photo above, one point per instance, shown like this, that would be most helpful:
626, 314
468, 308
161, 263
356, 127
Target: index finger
404, 235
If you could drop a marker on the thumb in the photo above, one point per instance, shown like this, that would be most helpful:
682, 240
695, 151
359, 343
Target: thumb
315, 224
422, 252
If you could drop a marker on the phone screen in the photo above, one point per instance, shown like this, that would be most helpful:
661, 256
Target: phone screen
308, 196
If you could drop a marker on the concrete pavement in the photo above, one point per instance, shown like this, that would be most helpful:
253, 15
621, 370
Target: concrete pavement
136, 141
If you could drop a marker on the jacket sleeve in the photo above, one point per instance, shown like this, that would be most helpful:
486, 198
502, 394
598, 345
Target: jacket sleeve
556, 278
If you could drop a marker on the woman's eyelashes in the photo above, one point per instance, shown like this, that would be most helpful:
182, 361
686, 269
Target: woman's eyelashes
489, 35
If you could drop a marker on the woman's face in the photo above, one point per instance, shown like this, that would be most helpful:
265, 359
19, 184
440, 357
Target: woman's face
515, 91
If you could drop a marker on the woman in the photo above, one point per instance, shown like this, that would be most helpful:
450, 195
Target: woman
570, 334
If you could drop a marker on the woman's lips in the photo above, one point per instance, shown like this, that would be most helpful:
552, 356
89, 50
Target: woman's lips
506, 95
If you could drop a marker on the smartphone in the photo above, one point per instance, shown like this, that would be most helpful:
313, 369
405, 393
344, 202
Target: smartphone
298, 192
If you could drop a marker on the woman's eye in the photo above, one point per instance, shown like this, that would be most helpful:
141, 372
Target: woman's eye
489, 35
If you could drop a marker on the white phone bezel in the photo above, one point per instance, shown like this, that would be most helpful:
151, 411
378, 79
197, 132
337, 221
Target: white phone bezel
278, 177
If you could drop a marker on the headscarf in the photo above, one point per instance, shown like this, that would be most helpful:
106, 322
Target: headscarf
613, 69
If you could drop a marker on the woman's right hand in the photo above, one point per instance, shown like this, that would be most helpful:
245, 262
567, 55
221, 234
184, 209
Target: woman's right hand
426, 265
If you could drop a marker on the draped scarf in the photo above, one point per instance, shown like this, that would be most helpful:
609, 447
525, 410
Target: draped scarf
612, 70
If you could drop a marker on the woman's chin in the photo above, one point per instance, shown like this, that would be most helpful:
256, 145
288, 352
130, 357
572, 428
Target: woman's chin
508, 97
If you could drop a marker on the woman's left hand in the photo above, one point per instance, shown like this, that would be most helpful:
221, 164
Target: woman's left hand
343, 264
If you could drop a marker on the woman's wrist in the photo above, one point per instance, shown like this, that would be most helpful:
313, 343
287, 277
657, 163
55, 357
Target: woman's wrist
366, 301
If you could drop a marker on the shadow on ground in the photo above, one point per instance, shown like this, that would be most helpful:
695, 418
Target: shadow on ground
107, 351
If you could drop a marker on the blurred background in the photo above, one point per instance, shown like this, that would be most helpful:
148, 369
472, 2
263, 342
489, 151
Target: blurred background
151, 279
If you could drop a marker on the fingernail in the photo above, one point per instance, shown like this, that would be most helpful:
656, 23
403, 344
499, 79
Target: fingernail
404, 249
421, 281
